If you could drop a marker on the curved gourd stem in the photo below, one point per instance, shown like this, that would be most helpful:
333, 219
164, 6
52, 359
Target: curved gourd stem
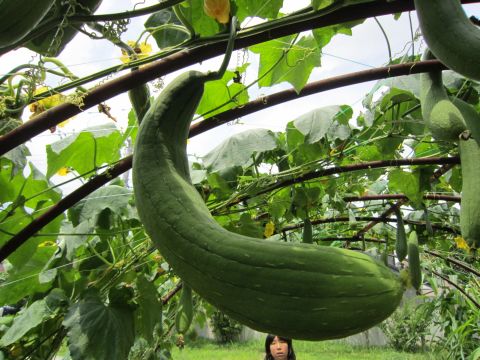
184, 21
217, 75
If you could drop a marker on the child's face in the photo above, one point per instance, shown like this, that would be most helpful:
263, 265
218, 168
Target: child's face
279, 349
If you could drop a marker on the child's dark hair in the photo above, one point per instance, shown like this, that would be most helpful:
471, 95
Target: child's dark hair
268, 342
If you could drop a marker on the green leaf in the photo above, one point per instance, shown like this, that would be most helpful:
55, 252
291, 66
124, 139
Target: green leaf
23, 281
16, 222
25, 321
407, 183
18, 157
410, 84
324, 123
202, 24
280, 63
99, 331
165, 36
320, 4
325, 34
113, 197
261, 9
132, 128
220, 92
73, 242
148, 316
238, 149
368, 153
85, 151
246, 226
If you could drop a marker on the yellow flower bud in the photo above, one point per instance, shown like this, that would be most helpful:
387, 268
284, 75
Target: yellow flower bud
218, 10
269, 229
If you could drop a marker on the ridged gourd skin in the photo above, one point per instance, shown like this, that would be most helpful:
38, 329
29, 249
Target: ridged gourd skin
450, 35
401, 236
441, 116
301, 291
19, 17
470, 207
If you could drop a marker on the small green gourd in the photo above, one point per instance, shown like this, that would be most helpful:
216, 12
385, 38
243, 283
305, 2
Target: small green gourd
414, 261
441, 116
401, 238
307, 237
184, 315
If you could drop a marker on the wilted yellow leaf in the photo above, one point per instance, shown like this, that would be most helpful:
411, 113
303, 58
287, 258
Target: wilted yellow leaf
269, 229
218, 10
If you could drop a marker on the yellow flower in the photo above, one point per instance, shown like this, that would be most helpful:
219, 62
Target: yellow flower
142, 50
269, 229
218, 10
461, 243
46, 103
63, 171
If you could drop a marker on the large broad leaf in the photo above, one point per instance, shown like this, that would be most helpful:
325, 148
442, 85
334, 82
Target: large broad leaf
255, 8
328, 122
99, 331
223, 91
85, 151
282, 60
165, 36
239, 149
148, 316
113, 197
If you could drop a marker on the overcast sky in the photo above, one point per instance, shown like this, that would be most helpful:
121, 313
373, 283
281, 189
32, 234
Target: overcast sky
365, 49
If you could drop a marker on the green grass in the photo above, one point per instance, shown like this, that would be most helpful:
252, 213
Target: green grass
305, 350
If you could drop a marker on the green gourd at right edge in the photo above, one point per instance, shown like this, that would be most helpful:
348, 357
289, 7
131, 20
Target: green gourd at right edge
450, 35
